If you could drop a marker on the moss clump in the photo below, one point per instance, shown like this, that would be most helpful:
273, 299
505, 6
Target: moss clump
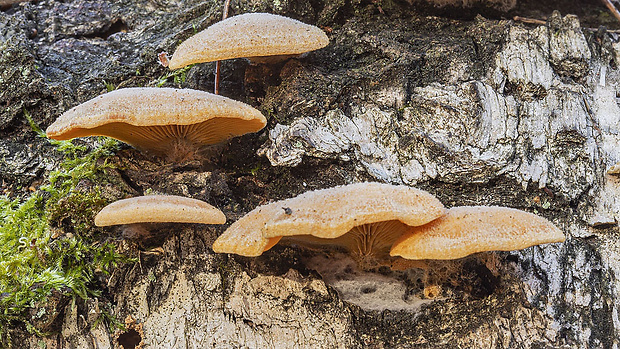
41, 261
178, 76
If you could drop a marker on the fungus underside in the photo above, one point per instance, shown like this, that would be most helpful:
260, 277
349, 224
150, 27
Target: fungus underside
369, 244
159, 138
171, 141
33, 264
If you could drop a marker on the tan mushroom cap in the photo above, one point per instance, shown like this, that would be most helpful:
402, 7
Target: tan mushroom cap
470, 229
153, 119
244, 237
249, 35
331, 213
159, 209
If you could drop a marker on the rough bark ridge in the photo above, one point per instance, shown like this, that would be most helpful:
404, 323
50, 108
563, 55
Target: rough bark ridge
474, 111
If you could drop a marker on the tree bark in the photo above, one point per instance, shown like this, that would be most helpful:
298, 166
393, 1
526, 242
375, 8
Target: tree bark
477, 112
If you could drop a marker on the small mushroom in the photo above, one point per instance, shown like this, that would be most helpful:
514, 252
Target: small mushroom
250, 35
363, 218
171, 123
138, 214
470, 229
159, 209
244, 237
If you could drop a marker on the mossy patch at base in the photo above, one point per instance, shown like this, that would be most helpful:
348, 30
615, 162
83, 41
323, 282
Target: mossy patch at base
49, 250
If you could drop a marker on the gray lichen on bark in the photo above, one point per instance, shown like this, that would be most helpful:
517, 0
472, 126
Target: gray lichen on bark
517, 119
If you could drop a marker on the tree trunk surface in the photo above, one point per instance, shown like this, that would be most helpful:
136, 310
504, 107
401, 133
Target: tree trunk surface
476, 111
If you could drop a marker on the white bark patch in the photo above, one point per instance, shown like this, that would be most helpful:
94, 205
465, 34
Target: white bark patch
369, 291
523, 60
367, 136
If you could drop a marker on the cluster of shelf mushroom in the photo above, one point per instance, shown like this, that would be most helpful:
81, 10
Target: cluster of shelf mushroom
374, 222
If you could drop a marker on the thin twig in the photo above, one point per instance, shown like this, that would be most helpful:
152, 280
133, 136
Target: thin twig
542, 22
226, 6
528, 20
218, 64
612, 8
216, 89
10, 2
612, 31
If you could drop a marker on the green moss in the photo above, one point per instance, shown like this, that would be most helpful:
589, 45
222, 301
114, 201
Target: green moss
109, 86
48, 248
178, 76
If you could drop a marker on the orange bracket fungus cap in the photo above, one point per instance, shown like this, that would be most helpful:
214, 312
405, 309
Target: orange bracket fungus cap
159, 209
164, 121
249, 35
470, 229
374, 214
330, 213
244, 237
364, 218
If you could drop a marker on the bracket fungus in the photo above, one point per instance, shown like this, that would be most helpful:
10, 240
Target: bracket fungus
136, 212
363, 218
167, 122
470, 229
250, 35
159, 209
244, 237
